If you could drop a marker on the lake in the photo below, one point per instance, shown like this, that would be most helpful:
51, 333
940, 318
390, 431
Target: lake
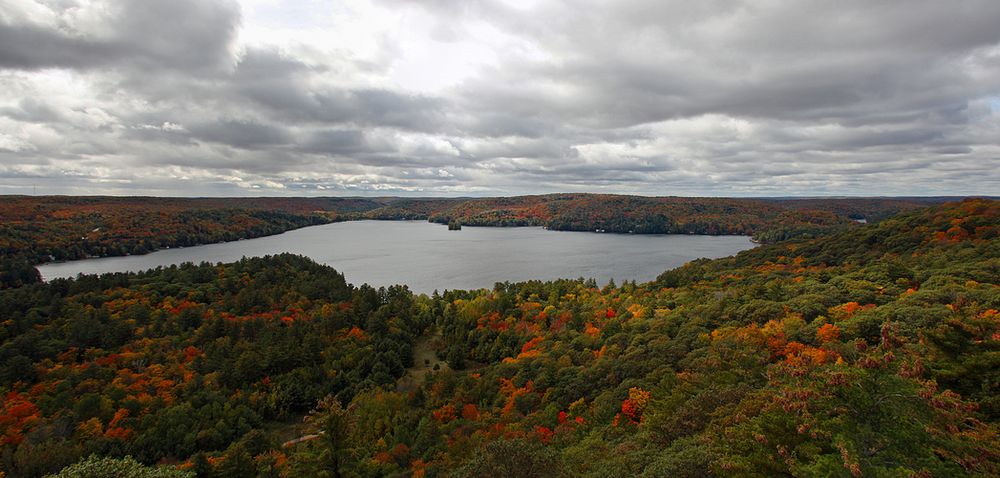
428, 256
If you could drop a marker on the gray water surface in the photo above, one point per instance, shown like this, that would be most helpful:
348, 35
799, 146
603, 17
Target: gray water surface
428, 256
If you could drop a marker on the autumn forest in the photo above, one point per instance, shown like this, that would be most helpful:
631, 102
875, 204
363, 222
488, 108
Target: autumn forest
834, 348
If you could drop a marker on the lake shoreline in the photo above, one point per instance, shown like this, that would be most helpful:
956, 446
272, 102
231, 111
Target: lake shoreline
362, 219
426, 256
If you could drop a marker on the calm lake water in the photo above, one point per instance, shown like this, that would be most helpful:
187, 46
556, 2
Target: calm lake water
428, 256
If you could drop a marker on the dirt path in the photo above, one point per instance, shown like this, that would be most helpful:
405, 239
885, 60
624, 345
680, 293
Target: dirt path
424, 360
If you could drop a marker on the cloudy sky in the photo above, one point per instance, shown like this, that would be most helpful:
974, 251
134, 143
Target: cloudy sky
476, 97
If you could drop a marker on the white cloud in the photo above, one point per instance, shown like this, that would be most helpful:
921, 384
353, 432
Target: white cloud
210, 97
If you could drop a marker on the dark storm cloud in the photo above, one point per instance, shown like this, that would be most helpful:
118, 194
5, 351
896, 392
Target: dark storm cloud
34, 47
245, 134
336, 142
281, 86
188, 35
649, 96
31, 110
521, 147
368, 107
650, 61
364, 107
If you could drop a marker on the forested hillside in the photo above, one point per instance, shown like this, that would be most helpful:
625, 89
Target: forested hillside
34, 230
872, 351
170, 363
38, 229
65, 227
61, 227
767, 220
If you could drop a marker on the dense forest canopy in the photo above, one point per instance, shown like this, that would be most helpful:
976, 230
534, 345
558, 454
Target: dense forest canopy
38, 229
870, 351
767, 220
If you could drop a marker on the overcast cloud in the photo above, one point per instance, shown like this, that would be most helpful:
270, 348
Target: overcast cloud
475, 97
